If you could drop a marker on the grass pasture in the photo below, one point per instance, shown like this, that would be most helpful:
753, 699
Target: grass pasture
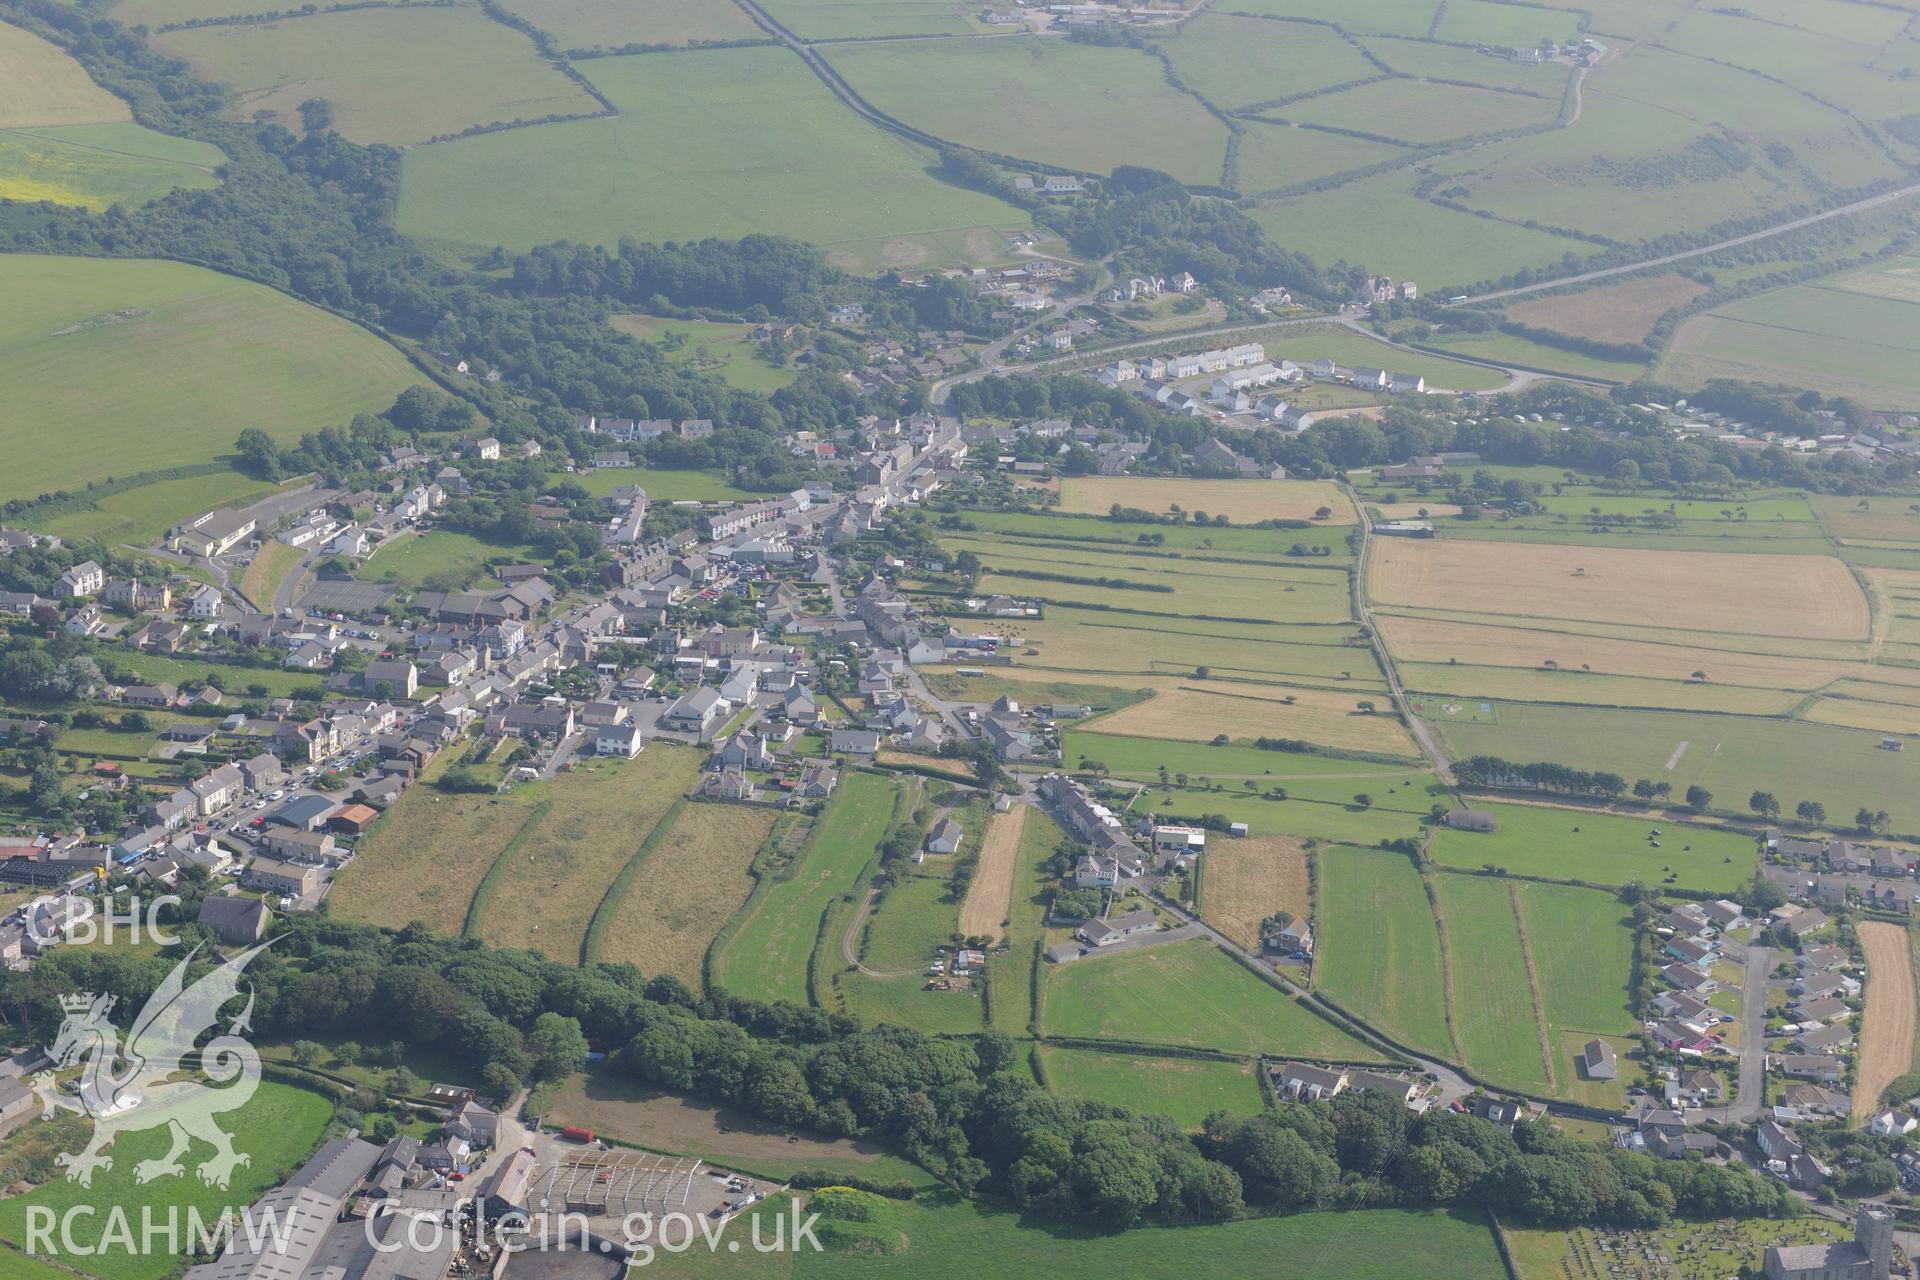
1369, 1244
1842, 342
694, 881
1801, 597
1273, 157
1495, 1019
615, 24
399, 75
1431, 60
1601, 848
276, 1130
1010, 976
725, 349
42, 84
424, 859
561, 869
1421, 115
1238, 62
1099, 641
1187, 993
1186, 1089
1076, 106
445, 557
96, 166
1242, 501
1512, 26
750, 142
1731, 756
1379, 952
1246, 881
870, 19
661, 486
143, 513
765, 957
1360, 17
196, 357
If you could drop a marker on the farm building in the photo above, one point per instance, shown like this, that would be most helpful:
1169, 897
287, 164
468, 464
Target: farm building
1472, 820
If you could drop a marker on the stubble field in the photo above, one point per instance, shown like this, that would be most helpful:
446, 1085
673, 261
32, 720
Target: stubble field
1242, 501
1810, 597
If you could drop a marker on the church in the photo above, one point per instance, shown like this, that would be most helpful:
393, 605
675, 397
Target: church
1868, 1256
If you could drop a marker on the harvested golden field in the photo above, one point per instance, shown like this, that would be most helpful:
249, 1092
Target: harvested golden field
1243, 882
1876, 688
1612, 312
42, 85
424, 858
689, 886
1183, 712
599, 815
1241, 501
1809, 597
990, 894
1886, 1030
1882, 717
1413, 510
1436, 641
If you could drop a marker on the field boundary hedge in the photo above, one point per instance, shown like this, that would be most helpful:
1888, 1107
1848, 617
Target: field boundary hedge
602, 921
483, 892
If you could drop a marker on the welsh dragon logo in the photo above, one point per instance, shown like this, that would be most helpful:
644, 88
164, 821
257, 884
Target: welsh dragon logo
161, 1076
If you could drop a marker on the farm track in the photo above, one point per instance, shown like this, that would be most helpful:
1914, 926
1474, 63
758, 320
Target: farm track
1421, 731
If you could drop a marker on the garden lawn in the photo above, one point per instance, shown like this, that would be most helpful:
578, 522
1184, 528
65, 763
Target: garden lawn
277, 1128
1187, 1089
719, 143
1600, 848
1379, 950
1187, 993
195, 358
765, 957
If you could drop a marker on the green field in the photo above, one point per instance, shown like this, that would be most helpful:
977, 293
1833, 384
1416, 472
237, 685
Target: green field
1377, 220
766, 956
615, 24
1494, 1018
1515, 26
1430, 60
42, 84
399, 75
1187, 1089
755, 143
904, 1001
195, 357
277, 1129
1423, 114
1345, 347
725, 349
1732, 756
1076, 106
144, 513
1312, 776
1602, 848
1274, 157
1505, 348
1372, 1244
1841, 341
1187, 993
1011, 975
1379, 950
1238, 62
870, 19
1363, 17
1582, 949
98, 165
445, 558
917, 915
